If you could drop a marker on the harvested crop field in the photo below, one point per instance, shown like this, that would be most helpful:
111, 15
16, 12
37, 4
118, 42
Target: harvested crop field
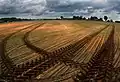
60, 51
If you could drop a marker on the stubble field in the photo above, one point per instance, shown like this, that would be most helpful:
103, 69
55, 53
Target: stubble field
59, 50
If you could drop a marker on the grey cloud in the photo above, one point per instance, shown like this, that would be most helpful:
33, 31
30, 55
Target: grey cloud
21, 7
54, 8
67, 6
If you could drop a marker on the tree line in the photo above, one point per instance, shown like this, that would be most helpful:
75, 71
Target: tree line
13, 19
94, 18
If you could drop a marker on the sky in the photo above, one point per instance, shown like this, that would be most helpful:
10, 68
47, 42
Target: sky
57, 8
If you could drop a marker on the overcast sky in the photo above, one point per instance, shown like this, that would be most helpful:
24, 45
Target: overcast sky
56, 8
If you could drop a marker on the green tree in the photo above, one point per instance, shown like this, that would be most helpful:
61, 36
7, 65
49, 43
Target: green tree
105, 18
61, 17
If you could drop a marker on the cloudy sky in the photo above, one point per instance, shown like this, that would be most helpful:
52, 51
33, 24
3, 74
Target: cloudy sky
56, 8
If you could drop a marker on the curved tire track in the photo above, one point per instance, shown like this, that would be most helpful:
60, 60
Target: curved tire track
7, 64
54, 54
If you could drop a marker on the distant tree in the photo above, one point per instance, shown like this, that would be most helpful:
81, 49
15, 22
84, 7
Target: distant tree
100, 19
117, 21
84, 18
62, 17
77, 18
88, 18
93, 18
111, 20
108, 20
74, 17
105, 18
80, 17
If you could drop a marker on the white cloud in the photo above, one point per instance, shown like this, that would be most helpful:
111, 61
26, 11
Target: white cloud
99, 1
79, 0
81, 11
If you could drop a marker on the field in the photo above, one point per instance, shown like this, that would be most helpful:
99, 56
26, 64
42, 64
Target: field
60, 51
